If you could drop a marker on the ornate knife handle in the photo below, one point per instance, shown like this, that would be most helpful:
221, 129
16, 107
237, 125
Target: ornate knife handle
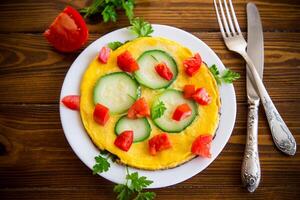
251, 167
281, 134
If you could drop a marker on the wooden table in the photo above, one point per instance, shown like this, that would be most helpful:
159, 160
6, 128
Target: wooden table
36, 161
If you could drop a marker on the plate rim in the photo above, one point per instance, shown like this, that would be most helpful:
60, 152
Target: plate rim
120, 178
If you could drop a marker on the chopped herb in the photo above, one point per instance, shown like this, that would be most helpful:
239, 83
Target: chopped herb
158, 110
228, 76
134, 185
114, 45
141, 28
102, 165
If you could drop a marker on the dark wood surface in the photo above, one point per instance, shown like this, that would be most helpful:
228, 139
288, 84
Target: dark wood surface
36, 161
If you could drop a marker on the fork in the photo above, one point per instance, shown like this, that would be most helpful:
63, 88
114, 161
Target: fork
235, 42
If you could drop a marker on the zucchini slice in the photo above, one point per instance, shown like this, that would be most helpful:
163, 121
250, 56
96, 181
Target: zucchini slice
117, 91
147, 76
171, 99
140, 127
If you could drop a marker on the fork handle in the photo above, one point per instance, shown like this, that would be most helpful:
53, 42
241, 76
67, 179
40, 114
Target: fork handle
281, 134
251, 168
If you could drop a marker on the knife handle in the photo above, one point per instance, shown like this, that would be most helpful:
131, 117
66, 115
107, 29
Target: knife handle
281, 134
251, 167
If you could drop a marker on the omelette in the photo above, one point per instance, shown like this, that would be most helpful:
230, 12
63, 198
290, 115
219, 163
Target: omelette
107, 84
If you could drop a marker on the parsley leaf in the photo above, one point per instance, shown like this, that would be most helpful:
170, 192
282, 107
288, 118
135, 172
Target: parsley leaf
138, 183
102, 165
124, 193
228, 76
114, 45
108, 9
134, 185
158, 110
128, 7
141, 28
145, 196
215, 72
109, 14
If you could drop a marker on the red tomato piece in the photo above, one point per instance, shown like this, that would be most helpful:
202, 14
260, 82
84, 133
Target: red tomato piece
202, 97
126, 62
101, 114
104, 54
68, 32
158, 143
201, 146
72, 102
164, 71
188, 91
182, 112
192, 65
139, 109
124, 140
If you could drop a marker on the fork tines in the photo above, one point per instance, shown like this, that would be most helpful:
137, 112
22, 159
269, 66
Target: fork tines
233, 28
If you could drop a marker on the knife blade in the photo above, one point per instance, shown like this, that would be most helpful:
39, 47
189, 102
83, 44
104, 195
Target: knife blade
255, 49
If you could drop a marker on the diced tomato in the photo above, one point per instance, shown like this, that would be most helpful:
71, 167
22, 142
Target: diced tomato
201, 146
188, 91
72, 102
68, 32
101, 114
158, 143
192, 65
104, 54
139, 109
182, 112
126, 62
164, 71
202, 97
124, 140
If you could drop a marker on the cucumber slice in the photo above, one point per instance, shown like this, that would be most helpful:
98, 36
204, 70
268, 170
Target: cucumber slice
140, 127
147, 76
171, 99
117, 91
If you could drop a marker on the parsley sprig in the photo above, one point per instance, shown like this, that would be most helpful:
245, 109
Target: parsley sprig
227, 76
134, 187
158, 110
140, 27
108, 9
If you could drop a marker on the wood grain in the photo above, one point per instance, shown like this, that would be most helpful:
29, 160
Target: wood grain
191, 15
39, 79
36, 161
34, 148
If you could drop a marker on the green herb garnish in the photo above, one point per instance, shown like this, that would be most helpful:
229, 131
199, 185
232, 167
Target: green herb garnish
141, 28
158, 110
102, 165
114, 45
228, 76
108, 8
134, 186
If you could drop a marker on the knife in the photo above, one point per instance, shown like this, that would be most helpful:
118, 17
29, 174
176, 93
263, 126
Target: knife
255, 49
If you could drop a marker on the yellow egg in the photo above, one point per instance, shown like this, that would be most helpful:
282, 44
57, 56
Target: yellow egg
138, 155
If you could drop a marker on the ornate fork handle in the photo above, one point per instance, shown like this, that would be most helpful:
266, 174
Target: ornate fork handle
282, 136
251, 167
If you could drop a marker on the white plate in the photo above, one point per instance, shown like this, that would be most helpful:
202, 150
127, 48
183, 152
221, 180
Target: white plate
85, 149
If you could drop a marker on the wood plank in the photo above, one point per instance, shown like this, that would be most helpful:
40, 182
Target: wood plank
35, 156
191, 15
32, 72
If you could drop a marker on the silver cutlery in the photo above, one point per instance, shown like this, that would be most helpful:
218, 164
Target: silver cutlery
251, 167
235, 42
